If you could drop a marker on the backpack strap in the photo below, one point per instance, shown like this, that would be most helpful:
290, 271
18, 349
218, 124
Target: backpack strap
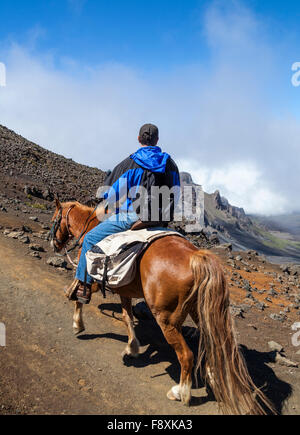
104, 280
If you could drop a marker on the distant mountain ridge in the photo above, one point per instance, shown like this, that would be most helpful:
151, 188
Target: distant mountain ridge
232, 225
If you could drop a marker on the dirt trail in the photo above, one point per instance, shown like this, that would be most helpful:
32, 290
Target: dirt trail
45, 369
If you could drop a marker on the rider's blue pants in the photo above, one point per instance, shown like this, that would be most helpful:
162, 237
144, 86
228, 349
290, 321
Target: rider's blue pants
115, 224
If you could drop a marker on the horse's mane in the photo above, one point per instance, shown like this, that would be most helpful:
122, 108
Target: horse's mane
82, 214
77, 204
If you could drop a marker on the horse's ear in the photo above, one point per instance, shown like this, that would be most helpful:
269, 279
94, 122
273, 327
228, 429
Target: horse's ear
57, 202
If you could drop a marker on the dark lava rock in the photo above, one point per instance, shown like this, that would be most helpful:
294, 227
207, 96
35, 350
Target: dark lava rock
36, 248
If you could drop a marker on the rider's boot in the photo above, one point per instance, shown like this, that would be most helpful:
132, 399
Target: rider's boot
78, 291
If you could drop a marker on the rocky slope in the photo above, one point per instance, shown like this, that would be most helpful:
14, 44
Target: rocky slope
30, 171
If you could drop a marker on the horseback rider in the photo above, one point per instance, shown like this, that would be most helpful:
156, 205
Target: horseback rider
147, 168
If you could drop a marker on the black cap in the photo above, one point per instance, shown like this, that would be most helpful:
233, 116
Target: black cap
149, 134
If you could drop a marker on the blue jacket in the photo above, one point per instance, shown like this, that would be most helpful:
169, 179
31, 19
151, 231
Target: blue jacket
148, 167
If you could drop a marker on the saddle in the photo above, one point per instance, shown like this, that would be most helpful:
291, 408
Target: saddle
113, 261
139, 225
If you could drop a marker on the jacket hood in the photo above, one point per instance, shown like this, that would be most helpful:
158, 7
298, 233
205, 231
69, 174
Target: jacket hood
151, 158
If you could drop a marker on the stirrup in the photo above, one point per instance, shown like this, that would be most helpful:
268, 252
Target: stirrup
84, 293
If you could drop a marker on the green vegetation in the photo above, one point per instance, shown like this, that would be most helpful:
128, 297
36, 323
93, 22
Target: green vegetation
37, 205
276, 242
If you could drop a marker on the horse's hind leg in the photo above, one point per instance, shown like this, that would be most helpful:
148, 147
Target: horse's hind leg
195, 317
132, 348
78, 325
173, 335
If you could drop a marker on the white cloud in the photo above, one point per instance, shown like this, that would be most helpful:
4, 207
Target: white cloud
242, 184
219, 115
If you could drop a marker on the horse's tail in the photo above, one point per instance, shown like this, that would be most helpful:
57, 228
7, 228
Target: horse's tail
220, 362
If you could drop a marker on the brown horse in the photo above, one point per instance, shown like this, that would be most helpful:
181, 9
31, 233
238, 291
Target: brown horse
176, 279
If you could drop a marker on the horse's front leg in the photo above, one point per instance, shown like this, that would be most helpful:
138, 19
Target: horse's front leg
132, 348
78, 325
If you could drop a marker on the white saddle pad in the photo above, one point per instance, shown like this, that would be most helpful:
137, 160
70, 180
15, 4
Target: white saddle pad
120, 251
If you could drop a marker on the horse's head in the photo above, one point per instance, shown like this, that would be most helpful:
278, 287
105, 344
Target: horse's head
60, 232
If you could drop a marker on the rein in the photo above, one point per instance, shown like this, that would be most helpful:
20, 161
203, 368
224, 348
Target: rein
85, 228
55, 226
70, 236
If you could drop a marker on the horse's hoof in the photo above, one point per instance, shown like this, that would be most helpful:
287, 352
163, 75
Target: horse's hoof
128, 356
174, 395
78, 331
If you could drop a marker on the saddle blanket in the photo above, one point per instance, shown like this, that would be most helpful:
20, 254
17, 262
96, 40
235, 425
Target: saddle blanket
114, 259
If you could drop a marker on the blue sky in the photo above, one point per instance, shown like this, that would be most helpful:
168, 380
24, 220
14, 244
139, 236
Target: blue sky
147, 34
214, 75
141, 32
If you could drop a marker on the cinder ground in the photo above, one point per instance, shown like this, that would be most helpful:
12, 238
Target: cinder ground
45, 369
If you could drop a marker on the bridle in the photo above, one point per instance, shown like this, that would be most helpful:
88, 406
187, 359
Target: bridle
52, 237
57, 226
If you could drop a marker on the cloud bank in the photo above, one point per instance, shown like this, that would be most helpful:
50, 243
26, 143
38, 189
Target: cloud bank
220, 119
